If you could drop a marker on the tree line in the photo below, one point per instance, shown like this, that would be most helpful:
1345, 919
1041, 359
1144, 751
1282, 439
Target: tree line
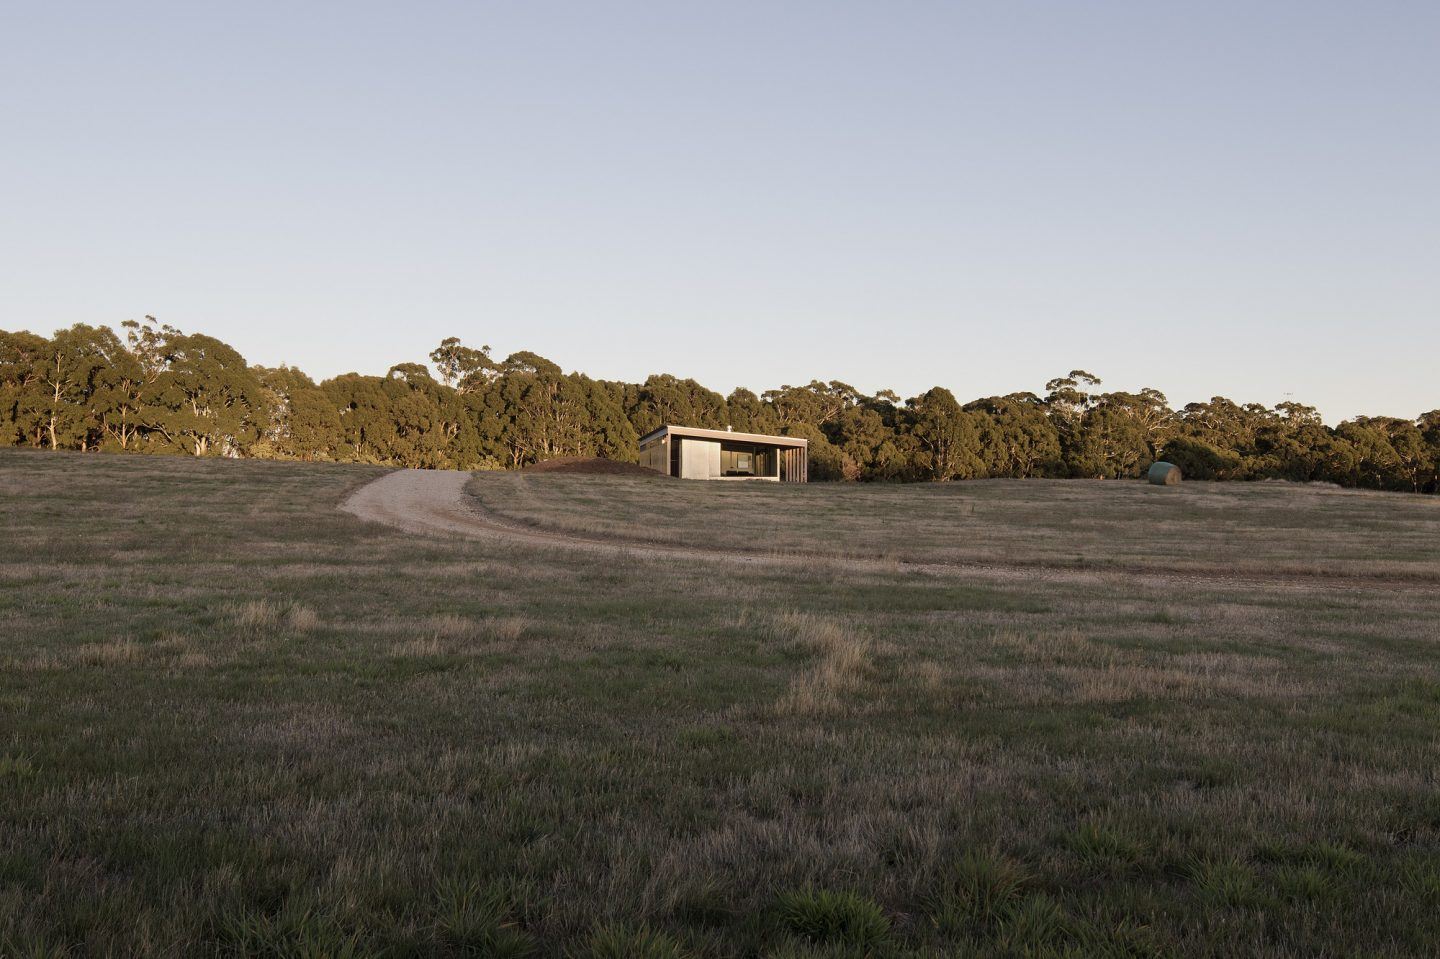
154, 389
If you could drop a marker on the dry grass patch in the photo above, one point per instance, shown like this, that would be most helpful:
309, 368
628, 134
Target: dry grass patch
451, 626
259, 617
420, 648
112, 653
450, 634
301, 619
509, 629
842, 660
1043, 667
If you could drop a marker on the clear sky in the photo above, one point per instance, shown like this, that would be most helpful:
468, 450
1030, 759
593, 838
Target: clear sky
1237, 198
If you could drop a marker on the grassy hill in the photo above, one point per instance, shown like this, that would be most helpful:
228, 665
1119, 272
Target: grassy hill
236, 721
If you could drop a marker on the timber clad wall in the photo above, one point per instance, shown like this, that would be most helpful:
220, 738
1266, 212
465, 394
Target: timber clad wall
654, 456
794, 466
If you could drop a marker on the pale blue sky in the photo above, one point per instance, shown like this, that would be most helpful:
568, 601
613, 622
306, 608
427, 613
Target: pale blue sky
1239, 198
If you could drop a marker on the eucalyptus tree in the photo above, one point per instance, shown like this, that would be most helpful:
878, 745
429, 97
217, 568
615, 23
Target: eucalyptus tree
1017, 437
1290, 442
1068, 397
433, 428
817, 403
1223, 423
1110, 434
750, 414
1109, 443
1390, 453
948, 438
665, 399
611, 433
367, 423
865, 441
147, 341
122, 392
527, 363
69, 375
22, 419
1414, 457
1429, 424
826, 461
304, 422
1201, 460
206, 401
461, 367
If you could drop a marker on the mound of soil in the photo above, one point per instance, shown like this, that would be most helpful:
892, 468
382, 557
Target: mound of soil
589, 464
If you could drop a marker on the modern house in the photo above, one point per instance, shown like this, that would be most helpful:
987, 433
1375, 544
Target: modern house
692, 453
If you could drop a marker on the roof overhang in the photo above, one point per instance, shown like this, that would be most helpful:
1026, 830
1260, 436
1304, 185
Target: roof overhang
795, 442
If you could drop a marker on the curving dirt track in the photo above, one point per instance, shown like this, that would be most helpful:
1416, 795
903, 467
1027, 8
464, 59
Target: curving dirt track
434, 502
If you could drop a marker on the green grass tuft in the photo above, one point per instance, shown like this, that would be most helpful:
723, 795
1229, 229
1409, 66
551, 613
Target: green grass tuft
294, 933
1225, 882
1035, 923
1304, 882
41, 947
476, 921
16, 767
825, 916
1105, 849
982, 888
640, 942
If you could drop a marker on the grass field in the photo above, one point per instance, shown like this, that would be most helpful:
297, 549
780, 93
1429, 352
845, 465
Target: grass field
236, 721
1266, 528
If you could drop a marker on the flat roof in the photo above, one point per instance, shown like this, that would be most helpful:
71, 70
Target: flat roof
699, 433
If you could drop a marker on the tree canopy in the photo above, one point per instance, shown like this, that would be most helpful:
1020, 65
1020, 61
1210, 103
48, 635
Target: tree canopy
156, 389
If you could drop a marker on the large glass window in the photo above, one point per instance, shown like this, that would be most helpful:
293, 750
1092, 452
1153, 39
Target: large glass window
738, 459
737, 462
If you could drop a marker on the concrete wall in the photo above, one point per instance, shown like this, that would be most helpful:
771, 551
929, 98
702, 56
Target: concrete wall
699, 459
